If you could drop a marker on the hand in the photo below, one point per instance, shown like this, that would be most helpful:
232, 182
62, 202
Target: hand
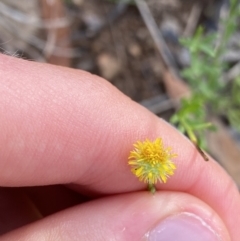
65, 126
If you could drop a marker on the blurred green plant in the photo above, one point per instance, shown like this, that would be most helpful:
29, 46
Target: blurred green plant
211, 94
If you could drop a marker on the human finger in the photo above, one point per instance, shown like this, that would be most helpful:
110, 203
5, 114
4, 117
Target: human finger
136, 216
67, 126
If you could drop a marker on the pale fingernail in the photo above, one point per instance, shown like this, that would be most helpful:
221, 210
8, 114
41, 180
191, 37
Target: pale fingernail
183, 227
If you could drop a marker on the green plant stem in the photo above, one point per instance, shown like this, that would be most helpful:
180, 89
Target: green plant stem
194, 139
151, 188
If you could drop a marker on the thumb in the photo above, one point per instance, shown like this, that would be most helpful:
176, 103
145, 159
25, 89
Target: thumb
165, 216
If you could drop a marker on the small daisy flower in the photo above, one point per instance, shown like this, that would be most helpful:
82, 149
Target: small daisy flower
152, 162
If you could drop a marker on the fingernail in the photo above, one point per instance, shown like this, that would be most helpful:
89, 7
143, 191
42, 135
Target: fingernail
183, 227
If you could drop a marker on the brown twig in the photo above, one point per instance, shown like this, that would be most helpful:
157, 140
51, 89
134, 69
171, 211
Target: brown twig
193, 19
168, 60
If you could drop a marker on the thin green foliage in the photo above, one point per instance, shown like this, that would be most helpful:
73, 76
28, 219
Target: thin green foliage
210, 92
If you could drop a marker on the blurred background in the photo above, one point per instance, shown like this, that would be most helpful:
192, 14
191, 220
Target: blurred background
154, 51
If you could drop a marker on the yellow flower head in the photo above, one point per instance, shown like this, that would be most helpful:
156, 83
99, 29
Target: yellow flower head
151, 161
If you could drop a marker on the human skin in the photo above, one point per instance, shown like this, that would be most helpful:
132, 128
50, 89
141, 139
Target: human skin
69, 127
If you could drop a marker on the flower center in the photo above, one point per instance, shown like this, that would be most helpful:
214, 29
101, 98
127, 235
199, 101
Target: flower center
153, 157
